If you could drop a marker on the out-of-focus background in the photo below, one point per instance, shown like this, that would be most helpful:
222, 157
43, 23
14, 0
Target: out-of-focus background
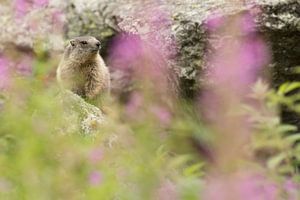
204, 101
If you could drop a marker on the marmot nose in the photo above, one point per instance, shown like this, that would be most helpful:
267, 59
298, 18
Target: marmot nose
98, 44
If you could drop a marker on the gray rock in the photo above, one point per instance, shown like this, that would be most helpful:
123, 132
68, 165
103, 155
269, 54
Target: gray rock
98, 20
280, 24
80, 115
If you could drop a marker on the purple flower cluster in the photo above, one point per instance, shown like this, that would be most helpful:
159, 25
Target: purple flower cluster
240, 55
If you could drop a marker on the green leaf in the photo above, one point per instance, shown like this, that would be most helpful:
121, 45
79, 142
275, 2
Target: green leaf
275, 161
194, 170
288, 87
161, 152
286, 169
179, 161
293, 138
281, 89
284, 128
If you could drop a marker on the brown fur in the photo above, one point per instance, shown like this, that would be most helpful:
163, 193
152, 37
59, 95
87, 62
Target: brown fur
82, 70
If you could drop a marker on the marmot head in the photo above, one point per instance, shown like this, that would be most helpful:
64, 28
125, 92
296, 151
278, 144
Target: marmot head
83, 48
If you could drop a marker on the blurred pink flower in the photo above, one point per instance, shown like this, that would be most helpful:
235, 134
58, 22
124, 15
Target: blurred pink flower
4, 73
214, 22
96, 155
162, 114
41, 3
234, 67
167, 191
292, 190
247, 24
143, 61
95, 178
240, 186
239, 59
58, 20
126, 50
255, 187
159, 27
22, 7
237, 65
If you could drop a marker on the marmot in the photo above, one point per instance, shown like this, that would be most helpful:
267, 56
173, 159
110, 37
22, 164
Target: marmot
82, 69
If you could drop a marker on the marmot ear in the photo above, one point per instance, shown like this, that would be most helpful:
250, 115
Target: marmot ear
72, 42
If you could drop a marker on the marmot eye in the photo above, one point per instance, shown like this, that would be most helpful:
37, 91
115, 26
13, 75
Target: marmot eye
83, 42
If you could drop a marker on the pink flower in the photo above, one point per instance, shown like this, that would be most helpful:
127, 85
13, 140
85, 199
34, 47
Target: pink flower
132, 55
95, 178
255, 187
234, 68
41, 3
237, 65
214, 22
247, 24
162, 114
96, 155
240, 186
22, 7
292, 190
125, 52
58, 20
238, 60
167, 191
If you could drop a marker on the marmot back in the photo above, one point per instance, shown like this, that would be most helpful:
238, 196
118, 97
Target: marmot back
82, 70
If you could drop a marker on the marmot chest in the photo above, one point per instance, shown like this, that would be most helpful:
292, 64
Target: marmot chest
85, 73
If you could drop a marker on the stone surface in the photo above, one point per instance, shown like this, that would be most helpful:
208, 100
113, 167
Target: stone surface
280, 24
28, 30
80, 115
